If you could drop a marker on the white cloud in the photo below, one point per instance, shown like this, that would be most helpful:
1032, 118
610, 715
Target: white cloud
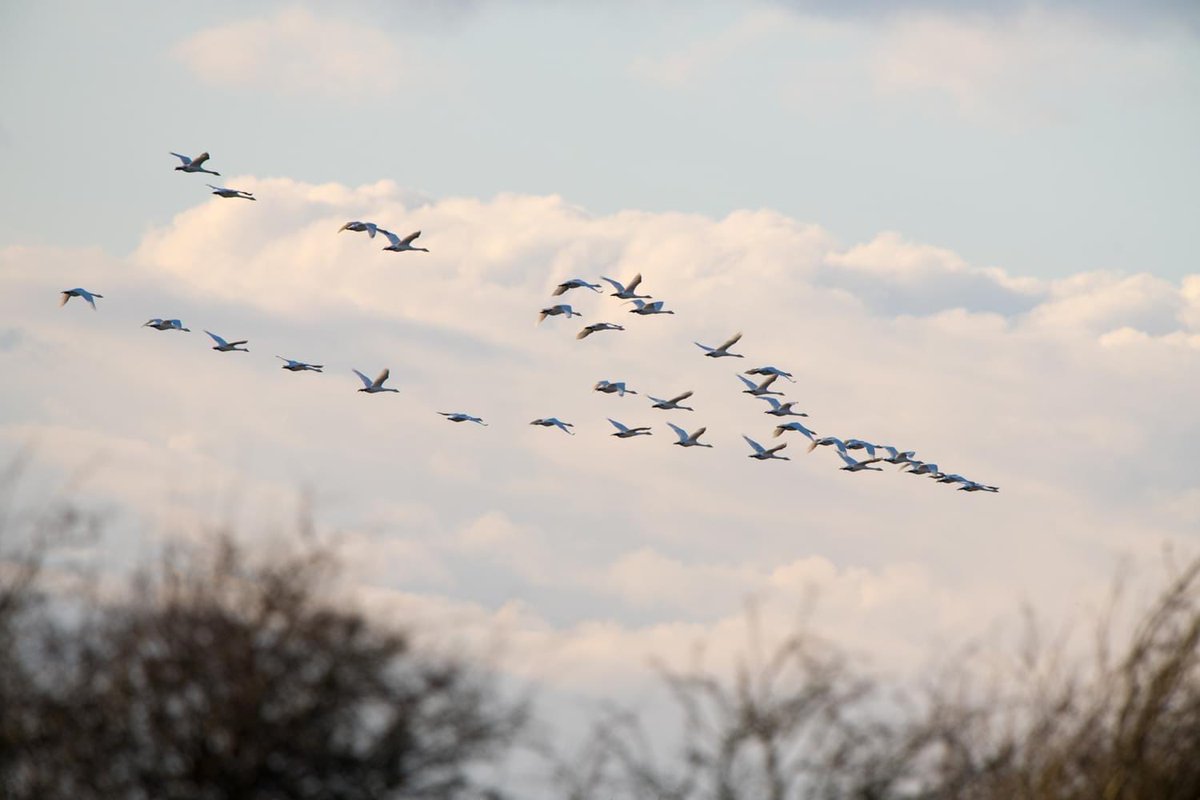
296, 52
1074, 396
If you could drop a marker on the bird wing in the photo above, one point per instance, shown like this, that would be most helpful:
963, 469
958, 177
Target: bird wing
770, 379
638, 304
383, 376
633, 284
617, 425
698, 433
774, 450
62, 301
775, 406
217, 339
366, 381
751, 385
850, 462
615, 284
732, 341
680, 432
656, 305
704, 347
185, 159
758, 448
371, 229
409, 239
583, 334
683, 396
200, 159
391, 237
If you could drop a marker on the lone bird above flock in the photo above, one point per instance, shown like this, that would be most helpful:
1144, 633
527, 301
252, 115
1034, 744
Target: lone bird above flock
759, 389
193, 164
626, 292
374, 386
673, 403
779, 409
574, 283
299, 366
646, 309
763, 454
625, 432
596, 327
458, 416
221, 191
90, 297
613, 387
688, 439
723, 350
165, 325
771, 371
561, 310
369, 228
554, 422
227, 347
399, 245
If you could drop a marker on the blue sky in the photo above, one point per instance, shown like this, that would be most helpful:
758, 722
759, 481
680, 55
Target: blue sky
1045, 143
971, 234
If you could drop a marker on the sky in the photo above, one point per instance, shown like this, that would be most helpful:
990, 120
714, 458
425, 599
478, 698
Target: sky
968, 229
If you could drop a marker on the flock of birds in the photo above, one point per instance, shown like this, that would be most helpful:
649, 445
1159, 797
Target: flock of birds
643, 305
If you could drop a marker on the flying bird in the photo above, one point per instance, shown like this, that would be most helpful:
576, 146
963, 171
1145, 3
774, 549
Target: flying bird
554, 422
859, 444
826, 441
673, 403
688, 439
559, 310
596, 327
897, 457
771, 371
626, 292
399, 245
779, 409
921, 468
165, 325
299, 366
646, 309
90, 297
795, 426
625, 432
374, 386
613, 387
723, 350
759, 389
763, 454
193, 164
574, 283
458, 416
972, 486
359, 227
227, 347
857, 466
224, 192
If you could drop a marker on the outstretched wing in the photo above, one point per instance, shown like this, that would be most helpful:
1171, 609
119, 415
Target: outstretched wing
366, 381
618, 425
775, 406
409, 239
217, 339
680, 432
683, 396
383, 376
62, 301
704, 347
633, 284
770, 379
185, 159
200, 159
615, 284
732, 341
758, 448
371, 229
391, 237
850, 462
586, 332
699, 432
775, 450
751, 385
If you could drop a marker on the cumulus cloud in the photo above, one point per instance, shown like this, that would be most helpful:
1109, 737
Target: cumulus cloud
598, 549
294, 51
